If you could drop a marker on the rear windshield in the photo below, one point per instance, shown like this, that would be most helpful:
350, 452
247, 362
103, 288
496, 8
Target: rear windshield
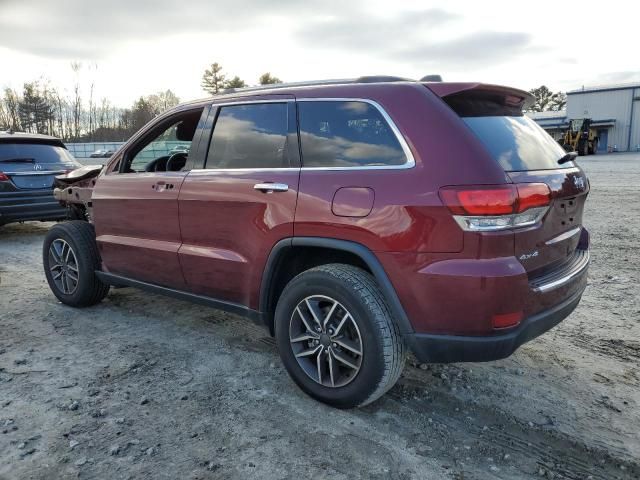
35, 153
518, 143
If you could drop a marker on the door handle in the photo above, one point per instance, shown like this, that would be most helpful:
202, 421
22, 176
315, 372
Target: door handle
271, 187
161, 186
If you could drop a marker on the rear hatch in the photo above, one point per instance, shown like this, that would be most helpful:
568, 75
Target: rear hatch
527, 154
32, 166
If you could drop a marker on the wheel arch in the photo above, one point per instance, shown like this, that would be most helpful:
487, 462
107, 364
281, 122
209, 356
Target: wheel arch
356, 253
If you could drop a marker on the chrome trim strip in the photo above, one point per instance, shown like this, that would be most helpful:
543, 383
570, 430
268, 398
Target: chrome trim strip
410, 163
461, 220
202, 171
564, 236
566, 279
35, 173
246, 101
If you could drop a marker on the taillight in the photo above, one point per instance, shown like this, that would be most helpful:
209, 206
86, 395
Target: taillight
531, 195
497, 207
3, 177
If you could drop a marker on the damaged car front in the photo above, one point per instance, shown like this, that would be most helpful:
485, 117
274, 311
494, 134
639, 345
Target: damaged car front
74, 189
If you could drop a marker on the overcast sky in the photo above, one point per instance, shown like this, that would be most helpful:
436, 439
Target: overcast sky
136, 47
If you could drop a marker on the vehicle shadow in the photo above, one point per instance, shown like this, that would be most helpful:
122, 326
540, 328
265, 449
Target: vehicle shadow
13, 230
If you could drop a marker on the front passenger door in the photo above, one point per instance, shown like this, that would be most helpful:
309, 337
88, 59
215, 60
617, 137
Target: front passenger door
136, 208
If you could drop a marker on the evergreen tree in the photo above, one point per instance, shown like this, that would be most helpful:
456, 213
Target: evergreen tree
268, 79
213, 80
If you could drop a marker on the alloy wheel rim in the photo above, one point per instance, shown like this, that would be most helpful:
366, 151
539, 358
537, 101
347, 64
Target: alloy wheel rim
326, 341
63, 266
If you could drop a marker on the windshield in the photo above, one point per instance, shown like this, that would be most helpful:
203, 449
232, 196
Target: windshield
518, 143
45, 154
576, 124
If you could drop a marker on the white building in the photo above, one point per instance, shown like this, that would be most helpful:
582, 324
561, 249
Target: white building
613, 109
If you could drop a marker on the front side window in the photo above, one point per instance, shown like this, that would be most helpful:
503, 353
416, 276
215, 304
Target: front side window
346, 134
250, 136
166, 150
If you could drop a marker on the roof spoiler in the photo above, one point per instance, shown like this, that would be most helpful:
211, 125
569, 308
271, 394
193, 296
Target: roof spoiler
512, 97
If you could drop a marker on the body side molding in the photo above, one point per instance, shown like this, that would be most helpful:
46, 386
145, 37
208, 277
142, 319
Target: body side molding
120, 281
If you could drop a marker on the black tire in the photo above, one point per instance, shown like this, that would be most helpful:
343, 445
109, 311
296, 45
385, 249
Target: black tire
584, 149
383, 351
81, 238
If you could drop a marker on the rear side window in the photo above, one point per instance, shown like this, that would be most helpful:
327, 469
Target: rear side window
346, 134
250, 136
518, 143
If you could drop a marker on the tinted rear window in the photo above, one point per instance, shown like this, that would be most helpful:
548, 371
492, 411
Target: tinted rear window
45, 154
517, 142
346, 134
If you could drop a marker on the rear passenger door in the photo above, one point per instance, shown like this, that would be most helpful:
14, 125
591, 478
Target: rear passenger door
241, 201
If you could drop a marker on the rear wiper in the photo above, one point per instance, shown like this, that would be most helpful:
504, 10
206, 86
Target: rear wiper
18, 160
568, 157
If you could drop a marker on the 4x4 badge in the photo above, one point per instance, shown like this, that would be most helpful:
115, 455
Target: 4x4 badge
527, 256
578, 182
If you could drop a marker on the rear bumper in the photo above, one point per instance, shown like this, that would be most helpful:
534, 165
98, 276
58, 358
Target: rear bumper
454, 348
24, 205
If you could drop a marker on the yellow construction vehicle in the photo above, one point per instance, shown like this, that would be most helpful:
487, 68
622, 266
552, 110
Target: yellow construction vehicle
580, 137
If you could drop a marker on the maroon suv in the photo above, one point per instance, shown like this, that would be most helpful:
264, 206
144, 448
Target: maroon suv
356, 220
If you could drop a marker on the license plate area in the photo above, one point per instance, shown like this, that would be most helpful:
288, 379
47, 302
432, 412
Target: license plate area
33, 182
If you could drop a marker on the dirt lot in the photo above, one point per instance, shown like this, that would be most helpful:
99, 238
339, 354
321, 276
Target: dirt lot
143, 386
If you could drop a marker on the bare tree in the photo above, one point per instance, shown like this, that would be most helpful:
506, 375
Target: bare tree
11, 104
162, 101
60, 105
76, 102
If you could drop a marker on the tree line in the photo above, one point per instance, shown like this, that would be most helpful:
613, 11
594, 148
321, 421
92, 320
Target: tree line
214, 81
546, 100
78, 116
41, 108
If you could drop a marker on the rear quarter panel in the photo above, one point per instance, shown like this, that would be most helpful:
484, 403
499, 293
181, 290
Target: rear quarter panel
407, 214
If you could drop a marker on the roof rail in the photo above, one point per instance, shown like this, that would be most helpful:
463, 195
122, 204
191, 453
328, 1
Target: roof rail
381, 79
311, 83
272, 86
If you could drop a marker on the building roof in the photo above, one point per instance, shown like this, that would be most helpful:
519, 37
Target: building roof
604, 88
558, 119
549, 114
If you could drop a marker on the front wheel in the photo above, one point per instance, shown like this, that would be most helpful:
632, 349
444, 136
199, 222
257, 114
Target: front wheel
336, 336
70, 258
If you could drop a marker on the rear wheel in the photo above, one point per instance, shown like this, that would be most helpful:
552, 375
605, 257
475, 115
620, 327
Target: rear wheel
70, 258
336, 336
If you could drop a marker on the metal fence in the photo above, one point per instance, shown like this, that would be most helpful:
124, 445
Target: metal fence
83, 151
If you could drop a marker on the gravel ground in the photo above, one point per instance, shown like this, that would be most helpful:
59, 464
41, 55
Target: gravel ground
142, 386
